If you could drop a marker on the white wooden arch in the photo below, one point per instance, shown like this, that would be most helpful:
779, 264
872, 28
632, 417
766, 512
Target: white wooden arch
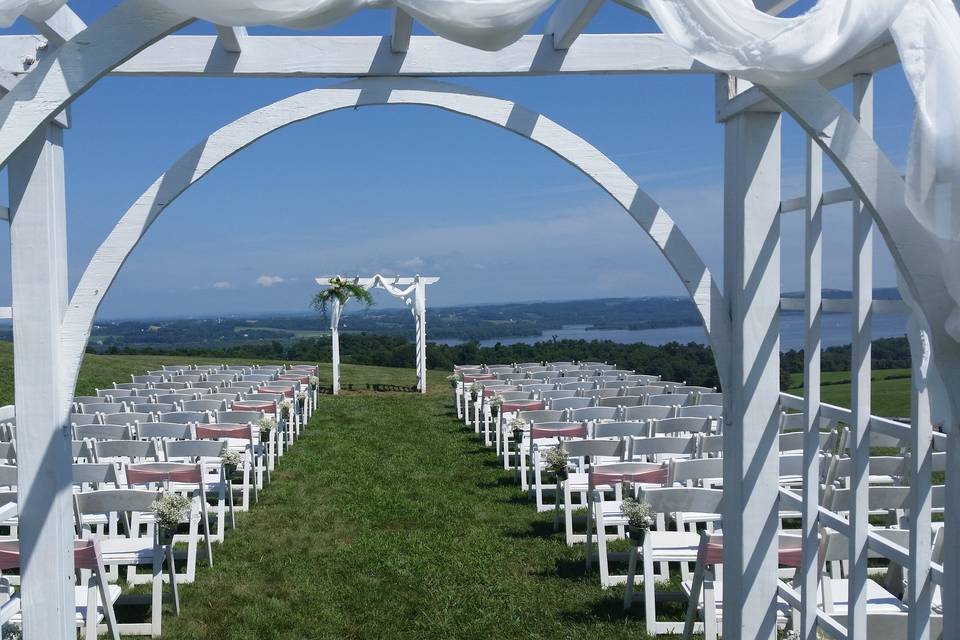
747, 312
414, 295
236, 136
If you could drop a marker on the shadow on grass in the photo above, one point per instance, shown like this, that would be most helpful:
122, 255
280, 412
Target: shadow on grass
499, 483
537, 529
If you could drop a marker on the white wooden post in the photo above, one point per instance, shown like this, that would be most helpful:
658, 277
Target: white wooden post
813, 282
860, 368
39, 274
919, 586
420, 304
335, 343
751, 415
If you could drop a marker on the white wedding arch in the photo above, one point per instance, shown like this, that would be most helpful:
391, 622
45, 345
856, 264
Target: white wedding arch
413, 294
765, 67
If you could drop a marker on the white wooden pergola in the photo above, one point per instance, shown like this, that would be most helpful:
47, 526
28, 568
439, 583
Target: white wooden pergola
42, 77
413, 294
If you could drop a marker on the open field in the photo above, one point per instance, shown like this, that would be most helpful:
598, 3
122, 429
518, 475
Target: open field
890, 393
102, 371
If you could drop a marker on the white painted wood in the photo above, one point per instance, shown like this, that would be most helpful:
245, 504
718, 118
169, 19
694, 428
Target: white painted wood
813, 314
9, 80
401, 30
196, 163
835, 196
751, 391
860, 370
918, 597
335, 312
569, 19
39, 276
72, 68
61, 26
352, 56
878, 56
231, 39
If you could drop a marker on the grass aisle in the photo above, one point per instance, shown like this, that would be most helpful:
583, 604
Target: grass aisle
389, 520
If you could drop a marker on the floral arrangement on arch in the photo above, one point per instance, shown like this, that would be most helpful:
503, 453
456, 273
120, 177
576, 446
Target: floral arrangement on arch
342, 290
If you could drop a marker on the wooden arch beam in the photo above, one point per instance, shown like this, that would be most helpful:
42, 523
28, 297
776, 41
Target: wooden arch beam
236, 136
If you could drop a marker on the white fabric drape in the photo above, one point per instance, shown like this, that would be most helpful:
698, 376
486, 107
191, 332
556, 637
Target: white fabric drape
484, 24
927, 35
733, 36
10, 10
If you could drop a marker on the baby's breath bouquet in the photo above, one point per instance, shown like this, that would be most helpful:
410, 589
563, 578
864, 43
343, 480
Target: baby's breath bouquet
286, 408
516, 426
266, 425
496, 401
640, 517
556, 462
314, 381
454, 379
475, 390
169, 511
231, 460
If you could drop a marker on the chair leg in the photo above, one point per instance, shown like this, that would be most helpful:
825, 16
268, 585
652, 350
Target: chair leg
156, 601
589, 535
649, 595
174, 590
695, 589
631, 574
568, 513
108, 612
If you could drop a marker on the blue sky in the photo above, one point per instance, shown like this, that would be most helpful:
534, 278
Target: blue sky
413, 190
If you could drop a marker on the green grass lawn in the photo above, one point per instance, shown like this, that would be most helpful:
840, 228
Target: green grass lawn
890, 391
389, 520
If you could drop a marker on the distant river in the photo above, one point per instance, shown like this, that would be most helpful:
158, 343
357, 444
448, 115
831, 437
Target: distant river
836, 331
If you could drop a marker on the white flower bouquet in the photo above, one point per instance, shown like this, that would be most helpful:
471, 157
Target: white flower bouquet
169, 511
640, 517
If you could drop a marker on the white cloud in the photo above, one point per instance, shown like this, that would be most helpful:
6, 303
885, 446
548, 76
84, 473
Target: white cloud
222, 284
269, 281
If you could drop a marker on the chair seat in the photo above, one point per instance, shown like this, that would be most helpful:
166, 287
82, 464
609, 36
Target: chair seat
700, 516
80, 604
783, 609
879, 600
674, 546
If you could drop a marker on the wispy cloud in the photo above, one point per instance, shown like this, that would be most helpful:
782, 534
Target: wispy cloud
269, 281
222, 284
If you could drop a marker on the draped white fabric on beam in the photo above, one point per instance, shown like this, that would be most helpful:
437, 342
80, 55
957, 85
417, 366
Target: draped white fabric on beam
10, 10
927, 35
734, 37
483, 24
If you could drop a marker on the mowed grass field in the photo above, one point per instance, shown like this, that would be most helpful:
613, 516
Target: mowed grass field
890, 390
388, 519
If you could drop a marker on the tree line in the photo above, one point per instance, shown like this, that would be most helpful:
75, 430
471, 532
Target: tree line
691, 363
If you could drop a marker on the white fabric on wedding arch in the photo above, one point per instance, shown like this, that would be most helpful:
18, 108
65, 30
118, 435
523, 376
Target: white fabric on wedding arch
414, 296
10, 10
483, 24
734, 37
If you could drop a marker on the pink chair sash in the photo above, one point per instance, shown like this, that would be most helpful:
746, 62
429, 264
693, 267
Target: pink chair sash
284, 391
572, 431
712, 553
255, 405
488, 391
239, 431
85, 554
292, 376
652, 476
163, 472
522, 405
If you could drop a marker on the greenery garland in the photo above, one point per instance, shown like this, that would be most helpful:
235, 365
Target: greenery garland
341, 290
